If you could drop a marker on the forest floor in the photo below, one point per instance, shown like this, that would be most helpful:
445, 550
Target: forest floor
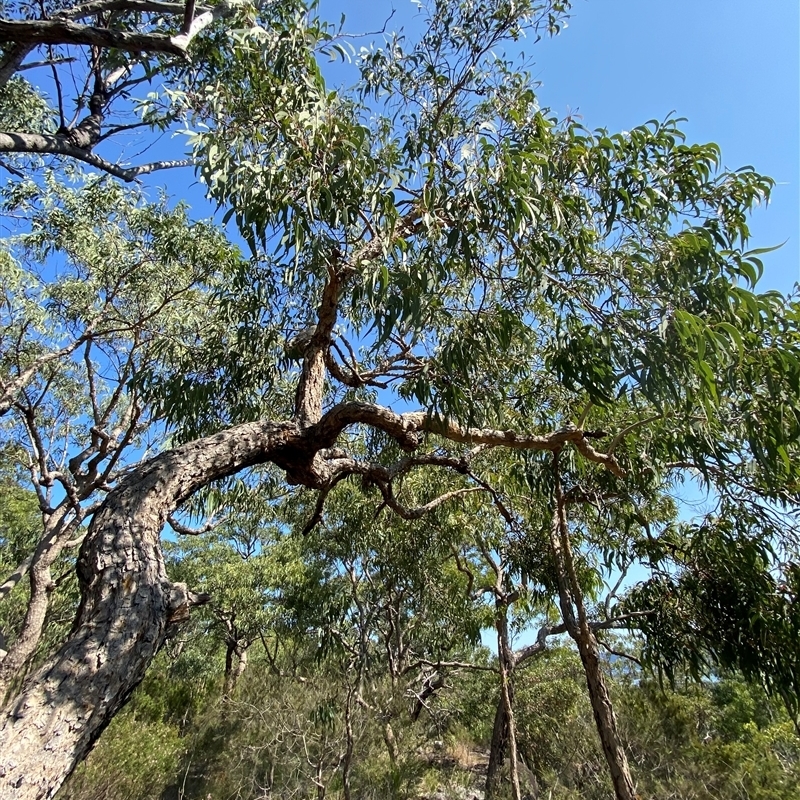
460, 770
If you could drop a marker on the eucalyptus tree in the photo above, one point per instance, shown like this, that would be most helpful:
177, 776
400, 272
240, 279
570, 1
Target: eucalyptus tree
94, 284
503, 279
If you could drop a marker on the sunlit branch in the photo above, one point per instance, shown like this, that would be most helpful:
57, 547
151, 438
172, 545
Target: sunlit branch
51, 144
420, 511
185, 530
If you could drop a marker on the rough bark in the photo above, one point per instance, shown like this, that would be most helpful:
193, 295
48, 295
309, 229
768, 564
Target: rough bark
127, 606
128, 603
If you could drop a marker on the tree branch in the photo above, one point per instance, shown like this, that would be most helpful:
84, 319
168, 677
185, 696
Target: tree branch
100, 6
618, 653
8, 390
185, 530
425, 662
605, 459
406, 430
15, 577
630, 428
51, 144
62, 31
31, 33
420, 511
12, 61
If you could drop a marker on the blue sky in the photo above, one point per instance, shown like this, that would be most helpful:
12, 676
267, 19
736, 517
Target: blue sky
731, 67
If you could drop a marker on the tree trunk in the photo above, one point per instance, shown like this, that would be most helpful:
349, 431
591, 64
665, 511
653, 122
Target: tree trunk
505, 727
390, 741
233, 672
507, 693
127, 605
347, 761
605, 719
571, 600
497, 750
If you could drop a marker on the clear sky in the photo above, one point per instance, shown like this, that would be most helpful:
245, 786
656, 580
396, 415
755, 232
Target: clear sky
731, 67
